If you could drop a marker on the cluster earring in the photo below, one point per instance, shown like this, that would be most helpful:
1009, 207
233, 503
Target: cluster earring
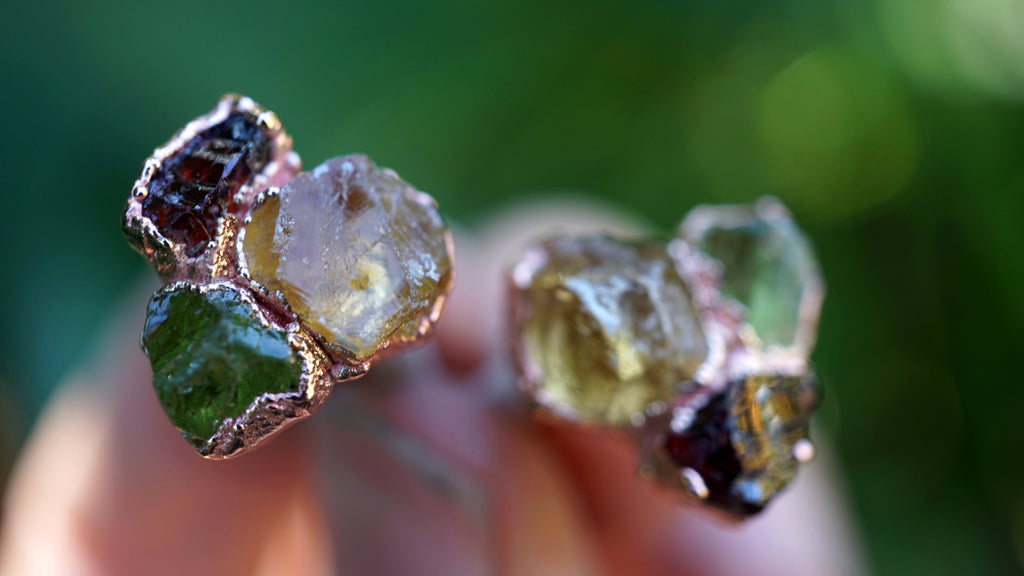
277, 284
698, 348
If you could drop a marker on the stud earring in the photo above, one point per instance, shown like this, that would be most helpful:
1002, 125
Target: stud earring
278, 284
697, 348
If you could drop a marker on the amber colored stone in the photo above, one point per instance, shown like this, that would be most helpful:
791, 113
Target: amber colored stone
196, 186
742, 442
604, 328
361, 256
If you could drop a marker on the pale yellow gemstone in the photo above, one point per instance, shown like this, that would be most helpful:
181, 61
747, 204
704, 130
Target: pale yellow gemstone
361, 256
603, 328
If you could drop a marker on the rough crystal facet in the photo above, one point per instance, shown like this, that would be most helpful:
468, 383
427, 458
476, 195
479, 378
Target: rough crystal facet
197, 185
360, 255
604, 328
767, 265
742, 441
212, 357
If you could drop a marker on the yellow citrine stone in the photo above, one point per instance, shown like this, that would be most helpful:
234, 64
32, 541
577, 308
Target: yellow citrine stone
604, 328
360, 255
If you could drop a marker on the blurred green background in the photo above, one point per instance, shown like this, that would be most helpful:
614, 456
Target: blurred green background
893, 128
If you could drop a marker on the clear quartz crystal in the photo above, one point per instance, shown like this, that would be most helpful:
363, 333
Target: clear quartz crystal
361, 256
767, 265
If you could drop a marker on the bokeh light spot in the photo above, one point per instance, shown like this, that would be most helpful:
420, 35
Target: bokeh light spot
837, 135
959, 46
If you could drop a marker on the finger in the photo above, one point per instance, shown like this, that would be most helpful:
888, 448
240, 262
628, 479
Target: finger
413, 459
106, 486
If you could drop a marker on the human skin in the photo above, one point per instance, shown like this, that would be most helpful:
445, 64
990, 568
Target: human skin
430, 465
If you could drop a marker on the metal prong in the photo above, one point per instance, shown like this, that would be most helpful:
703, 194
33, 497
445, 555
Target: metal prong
150, 168
803, 450
268, 120
694, 482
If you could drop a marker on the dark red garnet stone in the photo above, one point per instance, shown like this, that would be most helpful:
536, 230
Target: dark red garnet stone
197, 185
706, 446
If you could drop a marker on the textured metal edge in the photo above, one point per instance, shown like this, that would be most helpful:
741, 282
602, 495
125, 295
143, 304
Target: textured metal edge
718, 317
166, 256
271, 414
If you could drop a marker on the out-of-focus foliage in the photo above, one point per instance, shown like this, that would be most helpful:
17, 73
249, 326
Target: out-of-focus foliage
893, 128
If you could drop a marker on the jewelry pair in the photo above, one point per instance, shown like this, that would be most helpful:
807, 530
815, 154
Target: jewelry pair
280, 284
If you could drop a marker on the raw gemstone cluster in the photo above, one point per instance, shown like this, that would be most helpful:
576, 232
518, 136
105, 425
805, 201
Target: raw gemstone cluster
278, 284
698, 347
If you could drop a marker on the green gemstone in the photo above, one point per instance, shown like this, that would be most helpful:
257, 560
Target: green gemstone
767, 265
212, 357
